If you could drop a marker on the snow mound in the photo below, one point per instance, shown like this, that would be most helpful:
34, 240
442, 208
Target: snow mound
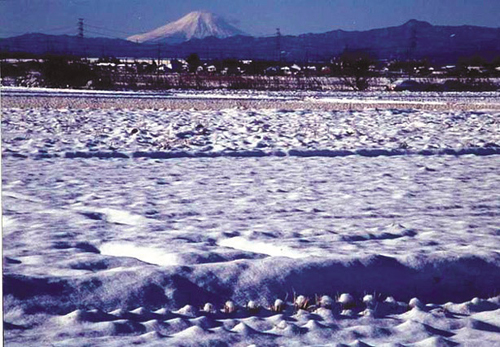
285, 328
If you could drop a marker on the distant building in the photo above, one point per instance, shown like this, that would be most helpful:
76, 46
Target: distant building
285, 70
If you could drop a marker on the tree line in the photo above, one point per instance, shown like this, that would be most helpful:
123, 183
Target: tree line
356, 70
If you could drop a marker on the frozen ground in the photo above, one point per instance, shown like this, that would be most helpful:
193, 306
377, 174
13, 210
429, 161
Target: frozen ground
120, 225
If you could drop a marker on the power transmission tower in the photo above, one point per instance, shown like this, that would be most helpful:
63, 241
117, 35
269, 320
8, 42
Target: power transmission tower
80, 35
412, 44
278, 44
159, 54
80, 28
411, 51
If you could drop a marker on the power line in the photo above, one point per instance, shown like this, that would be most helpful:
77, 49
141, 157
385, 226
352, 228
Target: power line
103, 34
66, 27
110, 30
8, 32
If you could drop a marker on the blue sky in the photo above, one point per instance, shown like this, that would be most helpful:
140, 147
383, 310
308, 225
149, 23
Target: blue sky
121, 18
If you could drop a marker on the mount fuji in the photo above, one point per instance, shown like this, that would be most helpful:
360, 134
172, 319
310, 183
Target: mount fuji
195, 25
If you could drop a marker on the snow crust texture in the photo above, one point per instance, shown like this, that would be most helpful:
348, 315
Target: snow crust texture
264, 227
121, 133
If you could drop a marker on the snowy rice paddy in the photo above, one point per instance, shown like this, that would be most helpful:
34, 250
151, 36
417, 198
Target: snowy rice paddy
240, 226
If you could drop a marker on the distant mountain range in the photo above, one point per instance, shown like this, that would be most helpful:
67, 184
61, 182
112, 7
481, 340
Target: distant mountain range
212, 38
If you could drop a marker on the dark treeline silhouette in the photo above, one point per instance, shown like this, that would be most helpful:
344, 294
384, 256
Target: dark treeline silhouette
356, 69
351, 70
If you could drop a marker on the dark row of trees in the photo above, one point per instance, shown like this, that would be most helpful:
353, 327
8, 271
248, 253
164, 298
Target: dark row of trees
356, 69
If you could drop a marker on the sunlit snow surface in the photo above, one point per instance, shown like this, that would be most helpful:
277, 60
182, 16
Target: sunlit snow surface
107, 235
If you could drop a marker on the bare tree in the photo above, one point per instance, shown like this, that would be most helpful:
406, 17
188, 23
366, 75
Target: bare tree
354, 69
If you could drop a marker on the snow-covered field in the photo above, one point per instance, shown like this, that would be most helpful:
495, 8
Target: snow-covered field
120, 225
217, 100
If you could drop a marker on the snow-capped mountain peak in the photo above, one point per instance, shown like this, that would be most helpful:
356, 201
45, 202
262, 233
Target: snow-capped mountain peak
197, 24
